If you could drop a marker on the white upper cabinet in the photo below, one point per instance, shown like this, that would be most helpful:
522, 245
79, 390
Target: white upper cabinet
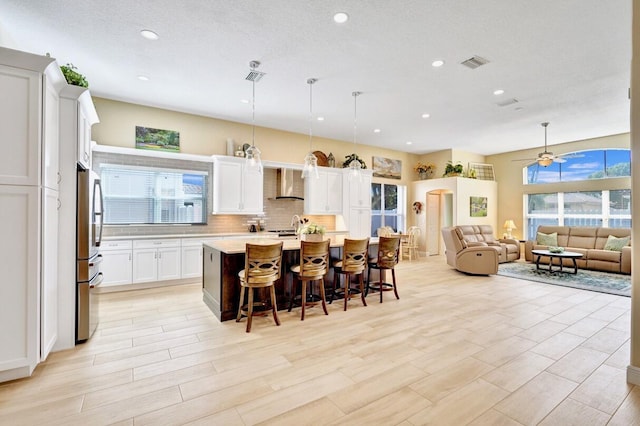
323, 195
51, 141
79, 112
236, 190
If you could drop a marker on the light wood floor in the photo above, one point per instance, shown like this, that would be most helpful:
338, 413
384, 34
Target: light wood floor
454, 350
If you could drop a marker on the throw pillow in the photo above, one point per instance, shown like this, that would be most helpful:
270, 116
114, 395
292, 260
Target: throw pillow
616, 244
547, 239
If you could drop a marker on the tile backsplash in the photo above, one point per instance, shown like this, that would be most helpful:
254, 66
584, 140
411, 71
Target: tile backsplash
278, 213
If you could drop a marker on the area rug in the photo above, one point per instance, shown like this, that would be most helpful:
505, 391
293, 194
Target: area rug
602, 282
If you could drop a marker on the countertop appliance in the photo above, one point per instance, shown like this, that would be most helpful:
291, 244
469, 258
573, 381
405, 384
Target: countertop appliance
89, 223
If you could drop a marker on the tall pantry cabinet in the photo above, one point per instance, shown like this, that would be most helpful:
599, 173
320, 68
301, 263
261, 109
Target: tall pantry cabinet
29, 177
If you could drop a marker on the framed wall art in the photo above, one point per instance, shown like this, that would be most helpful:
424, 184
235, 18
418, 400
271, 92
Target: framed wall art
478, 207
387, 168
157, 139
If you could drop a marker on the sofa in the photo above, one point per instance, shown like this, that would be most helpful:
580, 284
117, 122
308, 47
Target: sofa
508, 249
591, 242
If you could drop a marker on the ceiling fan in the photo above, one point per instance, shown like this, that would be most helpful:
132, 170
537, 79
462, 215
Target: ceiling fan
546, 158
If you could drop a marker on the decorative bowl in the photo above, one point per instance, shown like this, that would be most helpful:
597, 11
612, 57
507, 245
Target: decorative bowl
556, 249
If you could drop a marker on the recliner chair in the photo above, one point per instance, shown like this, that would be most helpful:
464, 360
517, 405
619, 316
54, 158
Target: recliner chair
477, 260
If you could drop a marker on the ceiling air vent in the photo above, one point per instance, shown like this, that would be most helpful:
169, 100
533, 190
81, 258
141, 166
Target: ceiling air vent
507, 102
474, 62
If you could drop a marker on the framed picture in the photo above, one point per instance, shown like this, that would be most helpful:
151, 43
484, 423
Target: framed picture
157, 139
387, 168
481, 171
478, 206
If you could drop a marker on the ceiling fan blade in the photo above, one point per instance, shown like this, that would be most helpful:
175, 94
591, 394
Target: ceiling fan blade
570, 156
524, 159
559, 160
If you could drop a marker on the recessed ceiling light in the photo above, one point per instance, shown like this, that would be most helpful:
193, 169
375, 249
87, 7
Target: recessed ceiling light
244, 101
376, 130
498, 92
143, 78
425, 115
149, 35
320, 118
340, 17
437, 63
409, 142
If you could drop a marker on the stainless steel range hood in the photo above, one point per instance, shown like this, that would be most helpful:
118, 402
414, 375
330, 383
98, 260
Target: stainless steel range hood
285, 185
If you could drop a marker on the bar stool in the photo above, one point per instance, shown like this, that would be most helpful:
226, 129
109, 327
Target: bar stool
314, 265
261, 270
354, 262
388, 254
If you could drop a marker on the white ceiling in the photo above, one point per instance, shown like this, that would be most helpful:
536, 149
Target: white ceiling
565, 61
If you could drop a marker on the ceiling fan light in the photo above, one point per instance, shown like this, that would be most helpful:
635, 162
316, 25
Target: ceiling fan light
545, 161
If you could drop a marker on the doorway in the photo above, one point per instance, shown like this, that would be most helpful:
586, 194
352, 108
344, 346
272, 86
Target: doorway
439, 213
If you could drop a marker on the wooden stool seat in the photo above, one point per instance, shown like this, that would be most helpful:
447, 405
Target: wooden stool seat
261, 271
314, 265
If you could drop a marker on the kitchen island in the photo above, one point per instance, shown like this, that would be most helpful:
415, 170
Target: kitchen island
223, 260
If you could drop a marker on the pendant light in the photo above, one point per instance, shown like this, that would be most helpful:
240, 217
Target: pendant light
252, 155
310, 168
354, 165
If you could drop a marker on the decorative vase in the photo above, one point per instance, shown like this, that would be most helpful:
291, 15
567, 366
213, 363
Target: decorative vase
311, 237
422, 175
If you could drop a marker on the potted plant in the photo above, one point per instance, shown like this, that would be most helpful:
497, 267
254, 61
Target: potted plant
73, 77
453, 169
425, 170
353, 157
310, 231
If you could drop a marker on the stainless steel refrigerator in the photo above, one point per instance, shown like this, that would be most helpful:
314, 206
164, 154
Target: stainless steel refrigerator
89, 235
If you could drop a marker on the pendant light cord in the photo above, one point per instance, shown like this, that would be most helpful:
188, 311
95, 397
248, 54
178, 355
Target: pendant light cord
355, 118
310, 82
253, 113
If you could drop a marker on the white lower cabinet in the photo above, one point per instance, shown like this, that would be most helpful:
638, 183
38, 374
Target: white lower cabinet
191, 258
156, 260
117, 263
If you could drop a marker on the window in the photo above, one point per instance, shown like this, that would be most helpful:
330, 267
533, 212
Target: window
148, 195
583, 165
608, 208
387, 207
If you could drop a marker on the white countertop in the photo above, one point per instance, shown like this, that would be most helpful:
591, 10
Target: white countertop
239, 245
248, 235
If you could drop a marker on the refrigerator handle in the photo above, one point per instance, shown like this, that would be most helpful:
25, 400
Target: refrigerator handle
97, 192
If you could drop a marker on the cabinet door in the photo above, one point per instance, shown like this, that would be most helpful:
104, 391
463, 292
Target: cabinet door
51, 164
116, 267
359, 191
145, 265
315, 194
20, 126
19, 263
227, 187
334, 192
168, 263
192, 261
252, 190
49, 278
359, 223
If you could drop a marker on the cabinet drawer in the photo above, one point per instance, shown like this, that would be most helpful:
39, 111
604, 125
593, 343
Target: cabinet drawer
146, 244
192, 242
116, 245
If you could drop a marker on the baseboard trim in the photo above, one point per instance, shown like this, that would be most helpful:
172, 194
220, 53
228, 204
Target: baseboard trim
633, 375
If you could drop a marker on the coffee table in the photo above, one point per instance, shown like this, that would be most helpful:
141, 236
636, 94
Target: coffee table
564, 255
